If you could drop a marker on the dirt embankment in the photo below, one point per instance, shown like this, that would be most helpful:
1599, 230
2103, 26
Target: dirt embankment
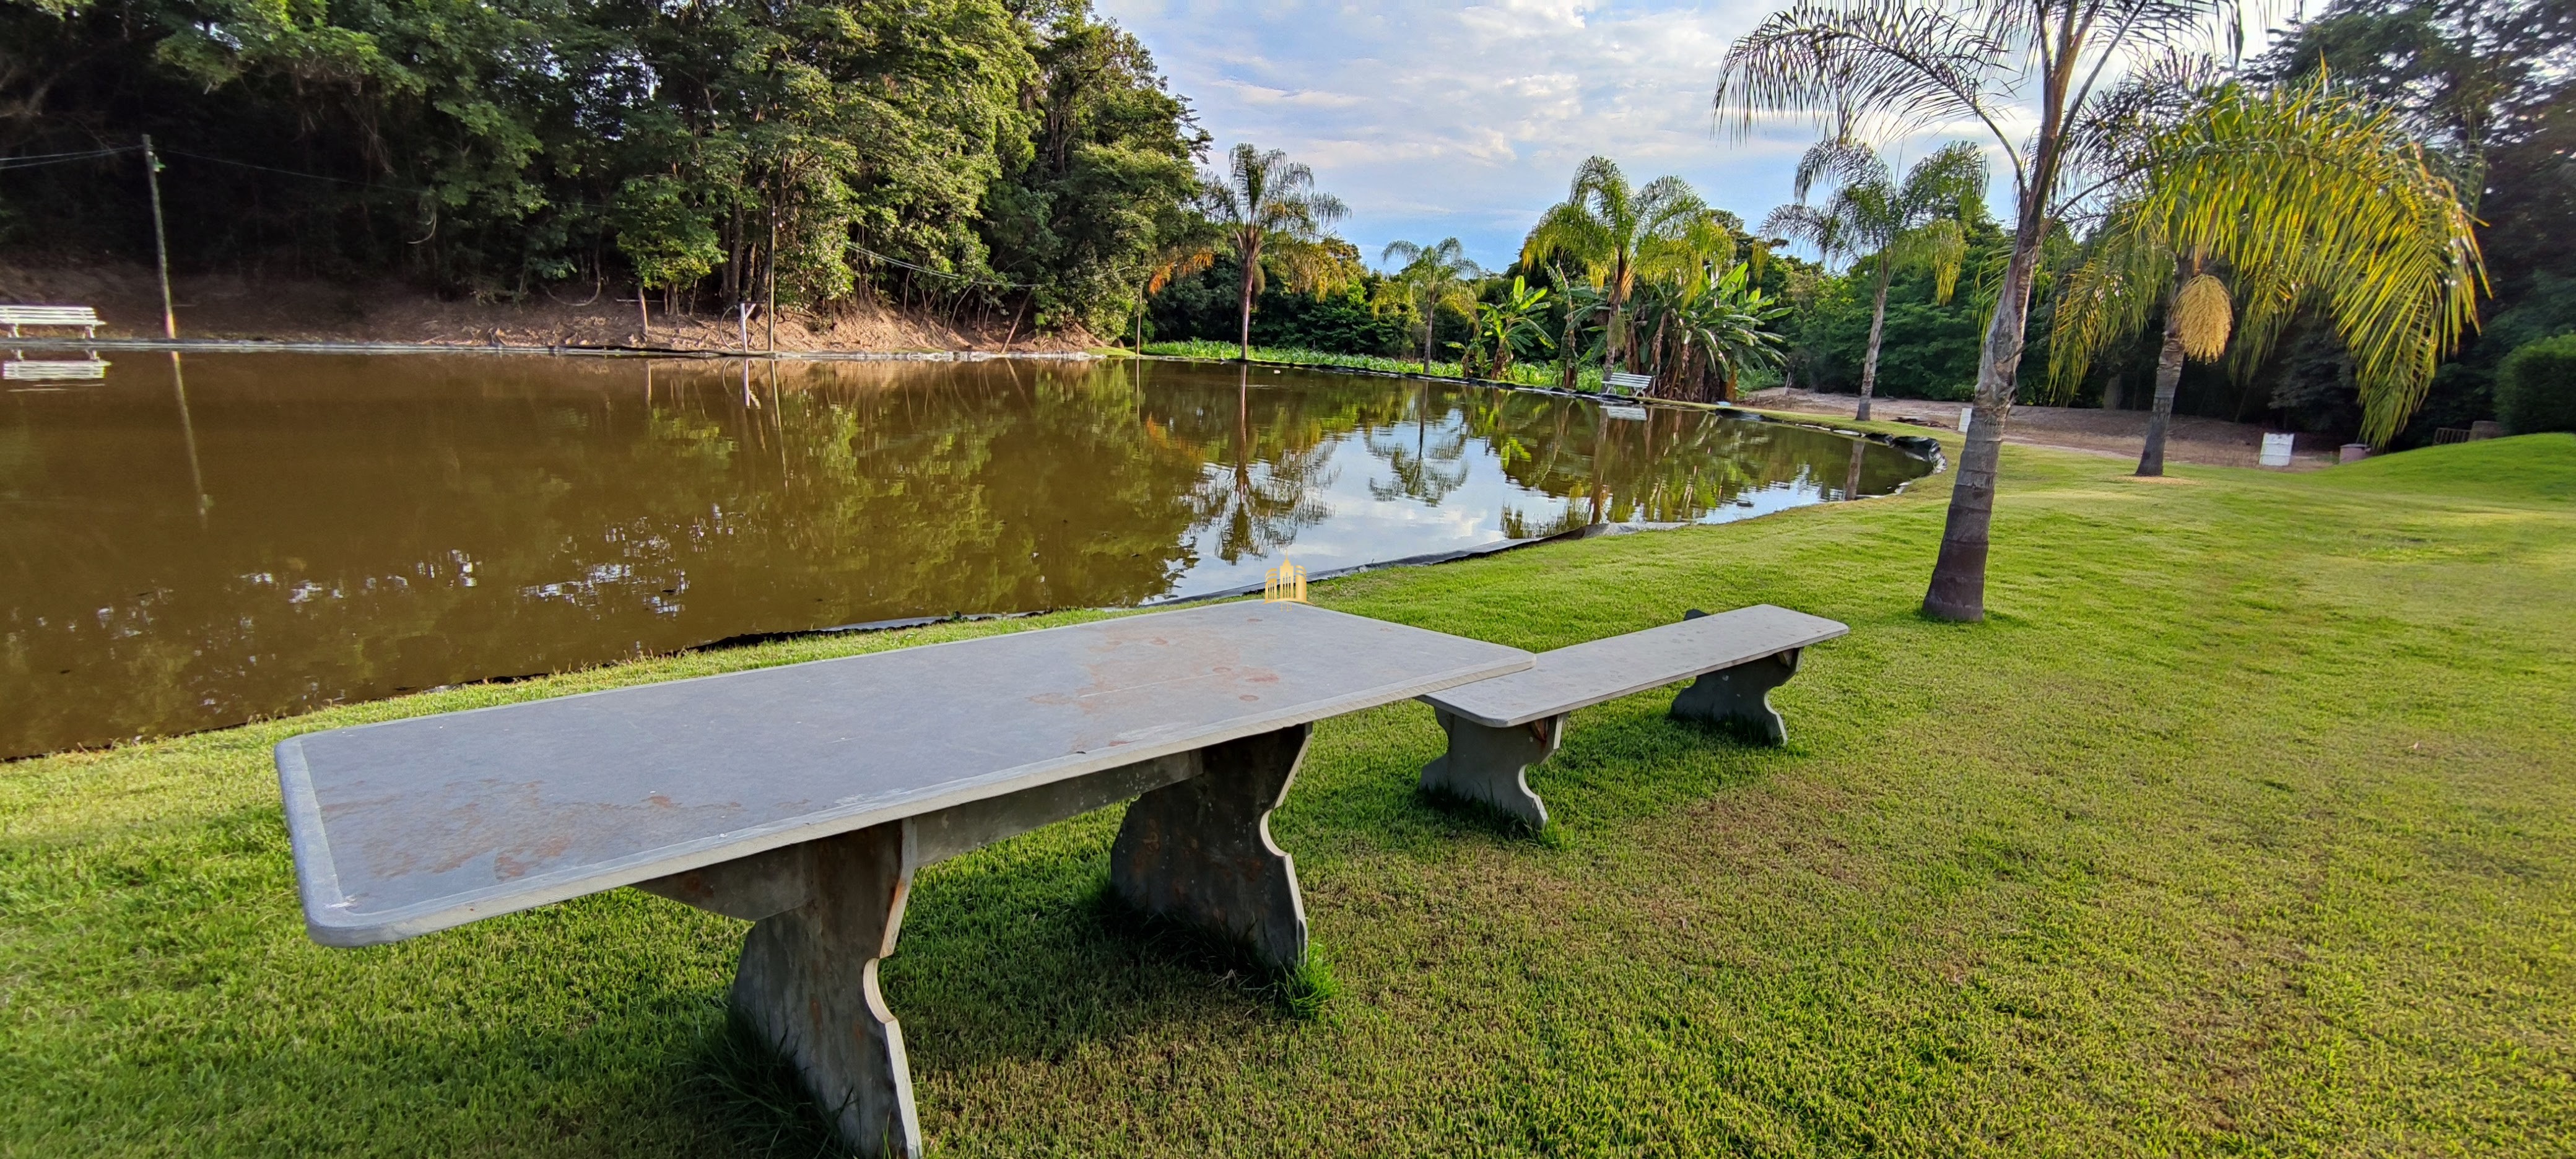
302, 310
2117, 433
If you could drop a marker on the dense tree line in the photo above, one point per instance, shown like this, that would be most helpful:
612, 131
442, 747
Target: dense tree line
999, 155
2486, 84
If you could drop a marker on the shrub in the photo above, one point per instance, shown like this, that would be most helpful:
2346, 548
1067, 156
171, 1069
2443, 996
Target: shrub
2536, 387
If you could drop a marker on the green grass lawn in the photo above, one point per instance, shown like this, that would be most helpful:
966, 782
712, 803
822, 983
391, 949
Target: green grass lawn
2246, 826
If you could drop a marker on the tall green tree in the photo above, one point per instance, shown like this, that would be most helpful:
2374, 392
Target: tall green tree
1083, 214
2303, 198
1264, 204
1864, 66
2490, 85
1612, 231
1920, 222
953, 154
1427, 278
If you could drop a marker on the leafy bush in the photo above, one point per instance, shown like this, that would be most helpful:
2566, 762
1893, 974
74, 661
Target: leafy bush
1207, 305
1523, 373
2536, 387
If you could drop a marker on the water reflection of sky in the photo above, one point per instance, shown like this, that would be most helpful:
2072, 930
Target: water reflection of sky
1366, 524
272, 532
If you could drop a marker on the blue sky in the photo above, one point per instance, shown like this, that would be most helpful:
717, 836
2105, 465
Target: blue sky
1441, 119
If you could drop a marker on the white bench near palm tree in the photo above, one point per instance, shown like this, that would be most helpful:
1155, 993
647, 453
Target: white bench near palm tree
1625, 383
84, 317
1501, 727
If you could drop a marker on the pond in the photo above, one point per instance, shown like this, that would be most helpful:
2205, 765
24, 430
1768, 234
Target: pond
189, 546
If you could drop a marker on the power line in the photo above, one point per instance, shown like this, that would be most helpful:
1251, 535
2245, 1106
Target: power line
940, 273
32, 160
292, 172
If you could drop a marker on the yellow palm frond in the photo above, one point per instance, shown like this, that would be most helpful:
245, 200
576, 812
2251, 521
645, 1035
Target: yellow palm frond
2303, 194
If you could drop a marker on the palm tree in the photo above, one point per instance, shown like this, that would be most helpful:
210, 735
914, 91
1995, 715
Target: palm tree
1429, 277
1919, 224
2300, 197
1878, 64
1610, 230
1264, 201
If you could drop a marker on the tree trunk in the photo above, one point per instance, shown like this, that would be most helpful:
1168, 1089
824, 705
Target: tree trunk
1430, 320
1611, 343
1250, 257
1566, 357
1958, 588
2151, 458
1877, 327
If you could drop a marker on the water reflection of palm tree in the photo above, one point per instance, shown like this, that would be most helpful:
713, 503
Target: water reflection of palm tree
1263, 510
1419, 473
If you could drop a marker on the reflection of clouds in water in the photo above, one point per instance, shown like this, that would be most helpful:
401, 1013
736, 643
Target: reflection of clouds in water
1399, 508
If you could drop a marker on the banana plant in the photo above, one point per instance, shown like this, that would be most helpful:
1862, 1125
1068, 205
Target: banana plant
1501, 324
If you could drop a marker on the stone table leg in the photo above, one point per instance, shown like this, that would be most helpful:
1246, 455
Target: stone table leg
1739, 698
1492, 764
1199, 851
808, 981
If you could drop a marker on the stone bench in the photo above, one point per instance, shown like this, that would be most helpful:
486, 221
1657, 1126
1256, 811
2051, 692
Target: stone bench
801, 799
1498, 728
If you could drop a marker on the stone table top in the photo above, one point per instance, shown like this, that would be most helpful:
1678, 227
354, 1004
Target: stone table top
409, 826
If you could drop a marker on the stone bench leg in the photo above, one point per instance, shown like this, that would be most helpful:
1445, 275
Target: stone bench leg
808, 981
1740, 697
1491, 765
1199, 851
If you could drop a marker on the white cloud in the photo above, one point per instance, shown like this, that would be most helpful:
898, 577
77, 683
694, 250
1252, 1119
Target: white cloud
1433, 120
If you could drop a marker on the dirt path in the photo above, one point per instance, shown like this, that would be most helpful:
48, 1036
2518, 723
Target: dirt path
305, 310
2110, 433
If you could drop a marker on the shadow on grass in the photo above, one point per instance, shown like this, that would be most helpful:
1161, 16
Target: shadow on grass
1301, 991
746, 1094
1481, 817
1025, 953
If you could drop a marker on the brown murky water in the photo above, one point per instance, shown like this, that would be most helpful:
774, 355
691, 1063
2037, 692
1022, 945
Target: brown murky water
287, 531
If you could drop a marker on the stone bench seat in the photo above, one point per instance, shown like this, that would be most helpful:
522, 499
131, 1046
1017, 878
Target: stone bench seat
1498, 728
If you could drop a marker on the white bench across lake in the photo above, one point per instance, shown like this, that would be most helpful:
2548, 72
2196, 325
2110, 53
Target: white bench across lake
66, 316
1499, 728
1623, 382
801, 798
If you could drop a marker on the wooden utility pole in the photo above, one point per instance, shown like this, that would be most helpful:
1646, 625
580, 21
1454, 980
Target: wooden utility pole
160, 239
772, 319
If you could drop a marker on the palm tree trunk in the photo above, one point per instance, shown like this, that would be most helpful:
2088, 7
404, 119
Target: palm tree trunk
1250, 256
1565, 355
2151, 458
1430, 317
1877, 327
1610, 340
1958, 588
